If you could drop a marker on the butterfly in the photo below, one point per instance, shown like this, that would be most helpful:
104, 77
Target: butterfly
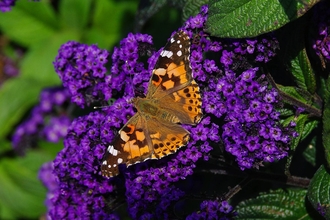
173, 98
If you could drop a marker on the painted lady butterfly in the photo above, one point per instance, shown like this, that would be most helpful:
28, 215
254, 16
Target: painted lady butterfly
173, 97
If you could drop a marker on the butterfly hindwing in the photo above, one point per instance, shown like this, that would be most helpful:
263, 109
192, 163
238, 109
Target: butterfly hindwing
166, 140
185, 104
136, 143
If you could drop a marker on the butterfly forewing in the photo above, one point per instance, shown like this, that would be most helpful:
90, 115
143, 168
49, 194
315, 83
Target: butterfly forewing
112, 158
172, 70
168, 139
173, 97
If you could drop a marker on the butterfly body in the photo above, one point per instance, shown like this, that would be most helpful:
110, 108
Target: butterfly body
173, 98
149, 109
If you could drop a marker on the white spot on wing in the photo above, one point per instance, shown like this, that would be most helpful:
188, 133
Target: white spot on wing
172, 40
178, 41
104, 162
112, 150
109, 166
179, 53
166, 53
119, 161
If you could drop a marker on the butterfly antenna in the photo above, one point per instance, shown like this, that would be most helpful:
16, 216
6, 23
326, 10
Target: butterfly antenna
111, 101
99, 107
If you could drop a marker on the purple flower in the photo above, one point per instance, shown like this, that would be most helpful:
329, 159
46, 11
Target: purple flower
81, 63
321, 43
46, 121
251, 46
209, 66
227, 58
213, 210
83, 193
5, 5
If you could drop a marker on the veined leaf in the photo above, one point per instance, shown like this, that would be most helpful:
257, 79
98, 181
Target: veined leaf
291, 91
319, 192
303, 72
326, 121
249, 18
289, 204
192, 8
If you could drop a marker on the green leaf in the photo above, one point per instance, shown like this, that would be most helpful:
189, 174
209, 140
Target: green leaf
249, 18
309, 127
285, 112
29, 22
192, 8
17, 95
5, 146
279, 204
319, 192
310, 153
21, 193
292, 92
74, 13
300, 125
303, 72
38, 61
50, 148
326, 121
103, 40
109, 30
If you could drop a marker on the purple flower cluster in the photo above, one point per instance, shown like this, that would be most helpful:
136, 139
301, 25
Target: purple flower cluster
49, 180
128, 73
151, 190
238, 106
322, 44
253, 50
48, 120
80, 188
322, 41
5, 5
252, 132
213, 210
81, 69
